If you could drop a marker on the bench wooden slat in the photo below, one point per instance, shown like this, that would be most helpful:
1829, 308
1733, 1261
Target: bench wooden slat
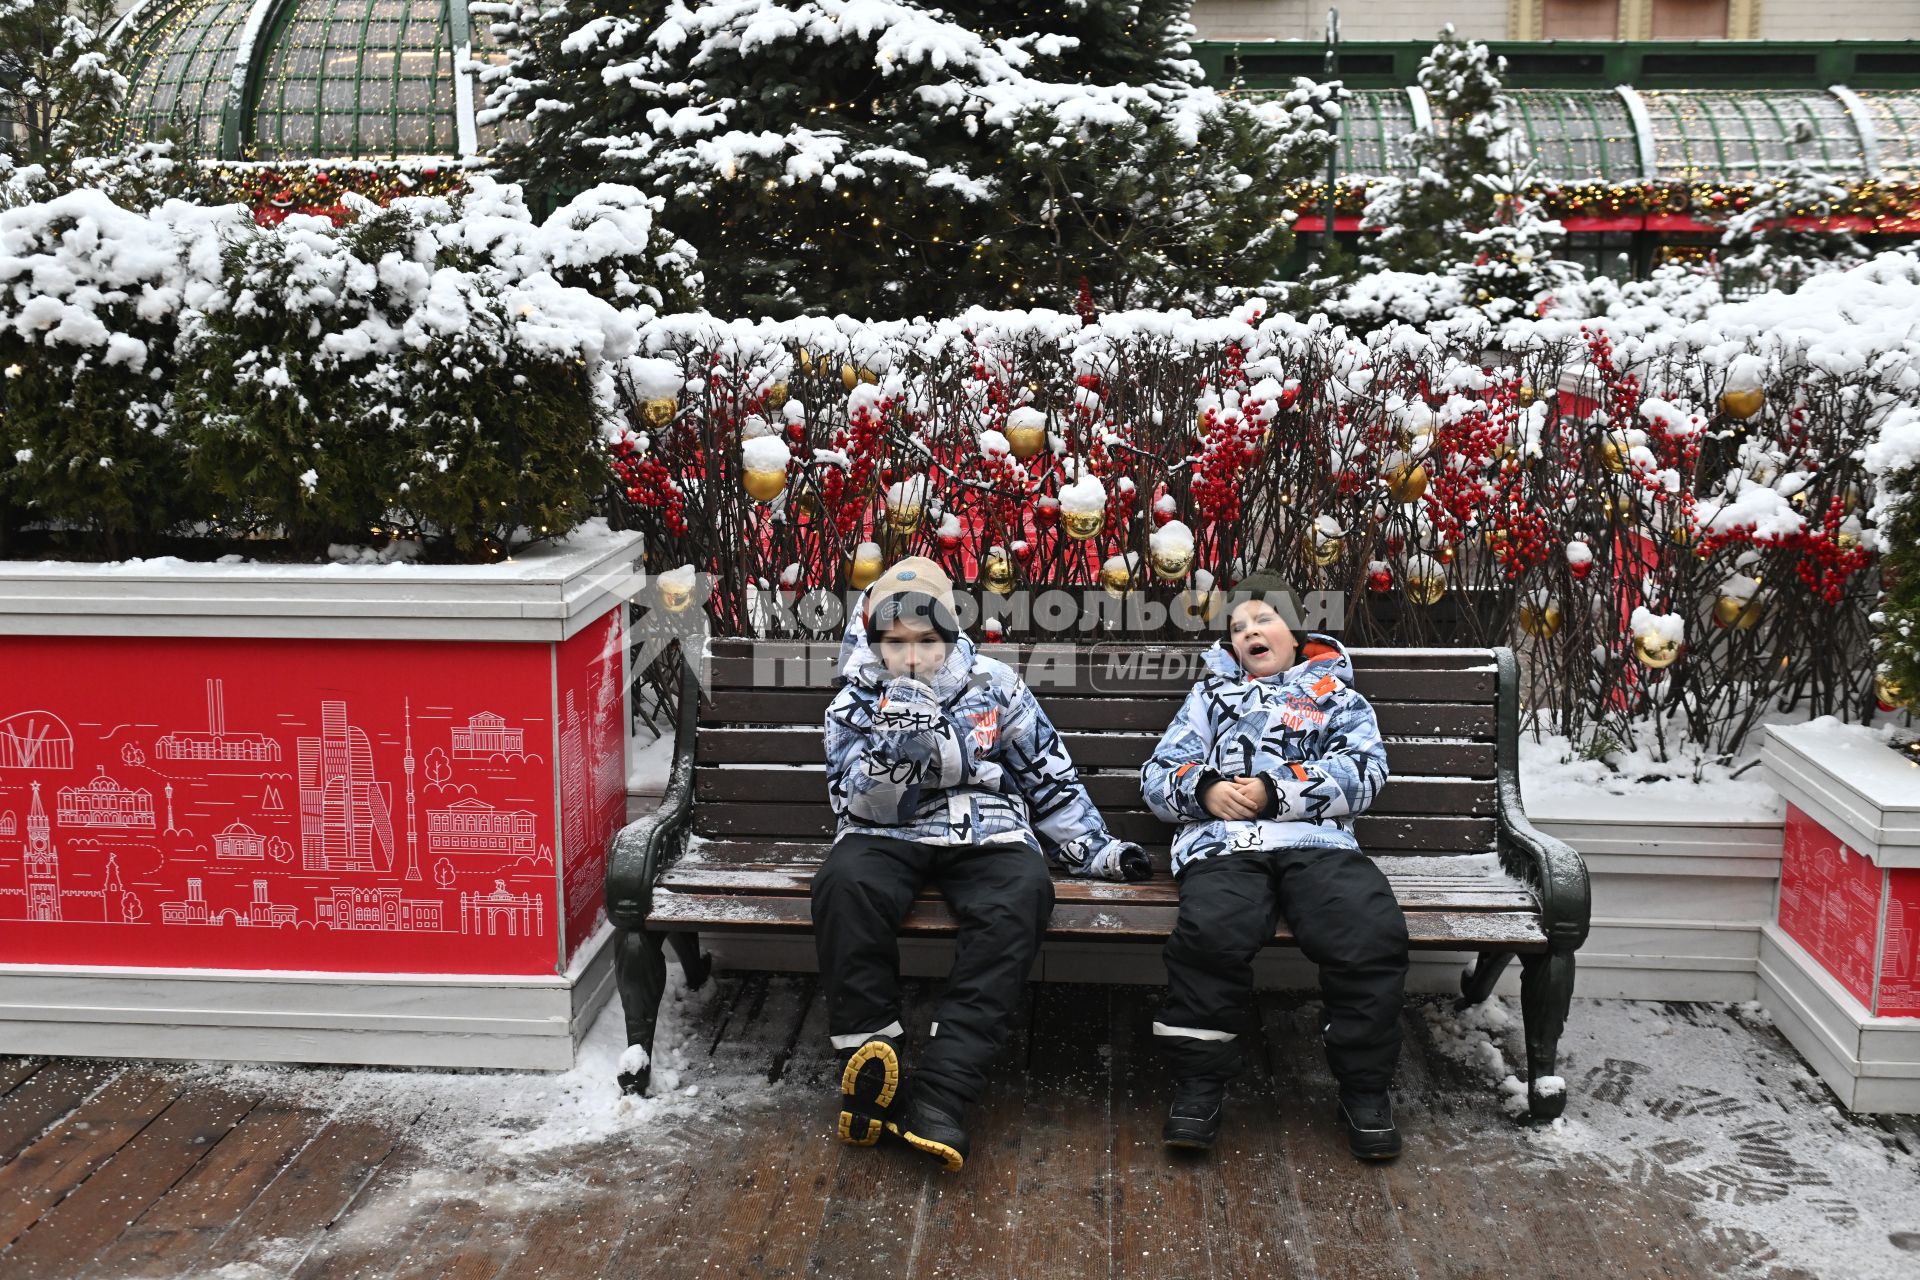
1109, 676
806, 744
1400, 864
804, 706
797, 880
1391, 833
1081, 921
1113, 792
736, 649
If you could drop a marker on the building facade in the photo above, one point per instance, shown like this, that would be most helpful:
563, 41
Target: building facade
1563, 19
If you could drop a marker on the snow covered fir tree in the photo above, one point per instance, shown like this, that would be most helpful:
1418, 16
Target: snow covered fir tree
1424, 217
897, 159
1785, 234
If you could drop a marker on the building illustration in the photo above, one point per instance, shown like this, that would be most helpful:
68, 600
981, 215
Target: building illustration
575, 784
43, 864
498, 912
487, 734
260, 911
240, 842
35, 740
345, 823
474, 826
103, 803
378, 910
43, 896
216, 743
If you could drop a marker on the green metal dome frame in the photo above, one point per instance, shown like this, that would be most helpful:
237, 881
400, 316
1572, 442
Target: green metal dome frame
1624, 135
306, 80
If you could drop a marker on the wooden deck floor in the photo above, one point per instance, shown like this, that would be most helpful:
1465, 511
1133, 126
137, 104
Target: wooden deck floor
114, 1169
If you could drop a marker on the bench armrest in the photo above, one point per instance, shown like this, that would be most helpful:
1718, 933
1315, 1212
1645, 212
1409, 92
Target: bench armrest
1553, 868
646, 847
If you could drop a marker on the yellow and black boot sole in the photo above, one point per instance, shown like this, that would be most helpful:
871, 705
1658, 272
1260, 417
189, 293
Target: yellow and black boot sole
876, 1058
954, 1160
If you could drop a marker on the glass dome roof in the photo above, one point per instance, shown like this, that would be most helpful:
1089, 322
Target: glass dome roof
1704, 135
306, 79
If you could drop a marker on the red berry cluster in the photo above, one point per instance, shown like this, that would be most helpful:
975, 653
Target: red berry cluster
649, 484
1825, 564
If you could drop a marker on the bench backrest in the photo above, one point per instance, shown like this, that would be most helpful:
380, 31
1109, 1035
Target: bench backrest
1438, 712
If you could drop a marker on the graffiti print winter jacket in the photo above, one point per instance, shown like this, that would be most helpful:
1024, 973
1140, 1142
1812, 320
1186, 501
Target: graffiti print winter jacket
965, 758
1305, 731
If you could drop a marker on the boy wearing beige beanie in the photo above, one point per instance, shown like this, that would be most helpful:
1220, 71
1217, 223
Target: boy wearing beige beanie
943, 770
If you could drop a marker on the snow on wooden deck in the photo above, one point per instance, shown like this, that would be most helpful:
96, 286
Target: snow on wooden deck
1695, 1144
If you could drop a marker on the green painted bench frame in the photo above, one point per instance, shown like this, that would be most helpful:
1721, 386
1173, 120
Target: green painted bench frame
764, 824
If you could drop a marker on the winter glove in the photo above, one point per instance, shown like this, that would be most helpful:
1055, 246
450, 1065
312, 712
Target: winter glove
1119, 860
907, 706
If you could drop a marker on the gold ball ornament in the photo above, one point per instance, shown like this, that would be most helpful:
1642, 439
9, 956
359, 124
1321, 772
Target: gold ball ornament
1194, 604
1116, 575
904, 517
1540, 620
1425, 588
849, 377
1171, 566
1889, 694
806, 360
1741, 615
763, 486
1525, 396
1846, 539
658, 413
776, 397
676, 593
1321, 550
1081, 525
1407, 483
999, 572
1615, 454
1743, 404
1656, 652
1026, 441
866, 566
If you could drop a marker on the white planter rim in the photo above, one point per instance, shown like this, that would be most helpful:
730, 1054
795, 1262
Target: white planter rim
545, 594
1862, 791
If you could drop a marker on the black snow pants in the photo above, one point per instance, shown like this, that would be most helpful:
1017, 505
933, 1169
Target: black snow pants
1343, 914
1001, 896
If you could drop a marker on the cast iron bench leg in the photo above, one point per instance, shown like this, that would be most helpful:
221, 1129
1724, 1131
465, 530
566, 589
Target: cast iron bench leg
1476, 982
640, 968
1546, 993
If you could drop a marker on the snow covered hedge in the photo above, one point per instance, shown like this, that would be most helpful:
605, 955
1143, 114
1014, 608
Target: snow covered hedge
1671, 517
437, 369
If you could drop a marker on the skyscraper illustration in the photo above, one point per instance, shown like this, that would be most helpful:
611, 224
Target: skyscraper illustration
344, 811
413, 832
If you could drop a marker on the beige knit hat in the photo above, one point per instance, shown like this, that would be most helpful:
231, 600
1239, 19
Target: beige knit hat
914, 576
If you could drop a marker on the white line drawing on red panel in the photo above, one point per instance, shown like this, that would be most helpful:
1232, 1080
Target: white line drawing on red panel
474, 826
216, 743
574, 782
379, 911
344, 809
47, 903
413, 831
240, 843
7, 824
514, 914
35, 740
486, 734
103, 804
260, 912
270, 801
1898, 956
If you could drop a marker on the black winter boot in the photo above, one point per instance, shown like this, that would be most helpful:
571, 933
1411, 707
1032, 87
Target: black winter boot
928, 1126
1369, 1120
1193, 1118
869, 1083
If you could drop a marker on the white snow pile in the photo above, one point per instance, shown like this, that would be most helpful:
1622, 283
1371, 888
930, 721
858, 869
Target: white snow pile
1559, 781
1704, 1102
520, 1114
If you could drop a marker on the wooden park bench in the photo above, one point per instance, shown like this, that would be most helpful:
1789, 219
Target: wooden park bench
744, 821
